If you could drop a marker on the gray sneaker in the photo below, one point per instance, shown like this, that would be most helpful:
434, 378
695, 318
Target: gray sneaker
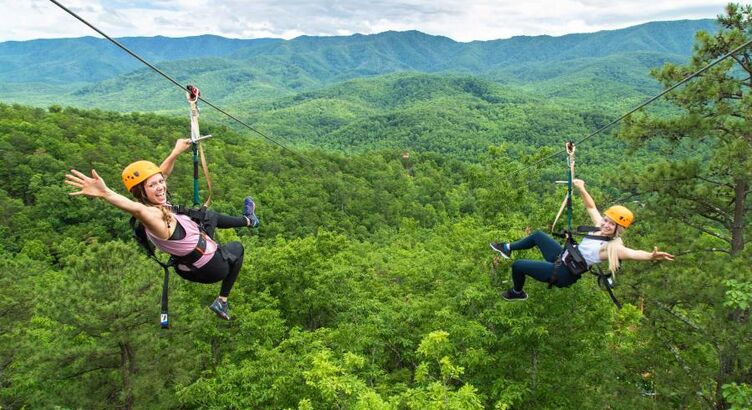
502, 248
249, 211
513, 296
220, 308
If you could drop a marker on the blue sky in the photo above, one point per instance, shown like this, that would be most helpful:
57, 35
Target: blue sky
460, 20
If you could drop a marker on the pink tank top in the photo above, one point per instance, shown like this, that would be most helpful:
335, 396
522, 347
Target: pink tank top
184, 246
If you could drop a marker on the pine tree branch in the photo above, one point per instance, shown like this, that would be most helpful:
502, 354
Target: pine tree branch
683, 319
677, 355
81, 373
725, 216
742, 62
690, 251
701, 229
724, 219
719, 183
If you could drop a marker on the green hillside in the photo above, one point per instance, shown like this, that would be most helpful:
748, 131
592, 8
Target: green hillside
459, 116
90, 59
368, 285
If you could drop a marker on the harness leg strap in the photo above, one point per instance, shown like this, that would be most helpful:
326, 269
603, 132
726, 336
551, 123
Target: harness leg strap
164, 320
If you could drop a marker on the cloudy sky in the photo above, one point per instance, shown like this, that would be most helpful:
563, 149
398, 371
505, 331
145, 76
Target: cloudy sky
461, 20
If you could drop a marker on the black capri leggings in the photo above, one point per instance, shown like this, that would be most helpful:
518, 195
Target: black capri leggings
540, 270
227, 261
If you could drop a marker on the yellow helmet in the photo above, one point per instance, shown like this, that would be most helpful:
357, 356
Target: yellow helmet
138, 172
621, 215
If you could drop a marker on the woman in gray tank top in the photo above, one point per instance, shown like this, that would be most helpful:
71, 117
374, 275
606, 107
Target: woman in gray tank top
611, 225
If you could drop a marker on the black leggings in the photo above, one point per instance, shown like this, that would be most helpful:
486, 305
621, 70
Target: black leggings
540, 270
227, 260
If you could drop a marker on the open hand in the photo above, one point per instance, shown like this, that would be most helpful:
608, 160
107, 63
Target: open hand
660, 256
93, 186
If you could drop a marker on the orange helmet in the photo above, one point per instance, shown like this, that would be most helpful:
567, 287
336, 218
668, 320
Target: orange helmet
138, 172
621, 215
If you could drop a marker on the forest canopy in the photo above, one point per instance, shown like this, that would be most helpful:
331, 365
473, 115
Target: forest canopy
370, 284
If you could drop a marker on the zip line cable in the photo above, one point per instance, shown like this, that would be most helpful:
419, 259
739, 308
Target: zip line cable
546, 158
172, 80
651, 100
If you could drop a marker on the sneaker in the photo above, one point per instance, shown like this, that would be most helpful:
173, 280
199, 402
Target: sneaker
220, 308
512, 295
249, 211
502, 248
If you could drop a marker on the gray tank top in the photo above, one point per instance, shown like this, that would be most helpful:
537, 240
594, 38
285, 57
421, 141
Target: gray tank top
590, 250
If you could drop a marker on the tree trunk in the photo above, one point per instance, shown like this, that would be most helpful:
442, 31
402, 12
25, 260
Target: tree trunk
127, 368
737, 229
725, 370
534, 365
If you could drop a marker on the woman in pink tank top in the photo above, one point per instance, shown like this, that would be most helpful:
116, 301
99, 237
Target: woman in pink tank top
199, 258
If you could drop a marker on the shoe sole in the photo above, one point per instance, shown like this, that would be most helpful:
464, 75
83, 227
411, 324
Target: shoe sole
254, 221
220, 314
503, 255
503, 296
515, 299
252, 201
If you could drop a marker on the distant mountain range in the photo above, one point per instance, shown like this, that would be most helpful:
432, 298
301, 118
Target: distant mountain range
291, 65
393, 90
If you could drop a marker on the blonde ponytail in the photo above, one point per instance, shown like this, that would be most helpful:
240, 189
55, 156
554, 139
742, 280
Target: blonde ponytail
612, 250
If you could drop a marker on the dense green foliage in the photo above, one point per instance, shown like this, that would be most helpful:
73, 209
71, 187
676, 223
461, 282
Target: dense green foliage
365, 288
369, 284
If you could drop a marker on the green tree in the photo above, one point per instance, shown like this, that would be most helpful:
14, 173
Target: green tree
709, 191
703, 193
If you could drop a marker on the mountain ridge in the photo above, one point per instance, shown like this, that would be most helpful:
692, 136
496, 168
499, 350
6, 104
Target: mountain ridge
94, 60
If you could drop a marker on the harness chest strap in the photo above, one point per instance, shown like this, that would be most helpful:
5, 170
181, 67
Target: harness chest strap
198, 216
196, 254
571, 257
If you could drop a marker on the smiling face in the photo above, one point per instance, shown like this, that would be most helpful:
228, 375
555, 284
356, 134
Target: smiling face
608, 227
155, 188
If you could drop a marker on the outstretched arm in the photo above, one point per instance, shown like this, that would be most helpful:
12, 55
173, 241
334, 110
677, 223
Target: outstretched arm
638, 255
95, 187
590, 207
181, 146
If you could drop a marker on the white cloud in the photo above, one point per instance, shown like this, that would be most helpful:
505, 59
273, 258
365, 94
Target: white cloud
461, 20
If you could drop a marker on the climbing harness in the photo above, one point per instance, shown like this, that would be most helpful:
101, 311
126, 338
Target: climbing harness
572, 259
606, 282
197, 215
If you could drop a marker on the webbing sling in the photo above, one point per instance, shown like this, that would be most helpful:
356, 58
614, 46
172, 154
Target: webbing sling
192, 95
140, 235
606, 282
567, 203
